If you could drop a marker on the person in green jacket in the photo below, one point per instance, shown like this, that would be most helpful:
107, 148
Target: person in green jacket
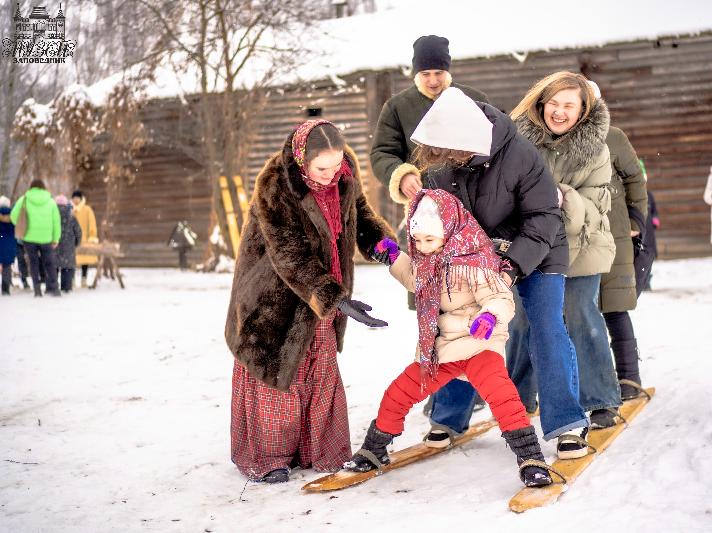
44, 229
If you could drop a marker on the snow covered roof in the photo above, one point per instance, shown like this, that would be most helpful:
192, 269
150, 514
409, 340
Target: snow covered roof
480, 28
475, 28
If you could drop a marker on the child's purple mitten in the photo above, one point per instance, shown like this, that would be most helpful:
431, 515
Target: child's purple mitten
483, 325
386, 245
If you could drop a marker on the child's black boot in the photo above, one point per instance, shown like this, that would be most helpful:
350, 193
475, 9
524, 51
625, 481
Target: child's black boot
373, 453
525, 444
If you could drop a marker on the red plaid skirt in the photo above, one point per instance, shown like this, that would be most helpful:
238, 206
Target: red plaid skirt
306, 426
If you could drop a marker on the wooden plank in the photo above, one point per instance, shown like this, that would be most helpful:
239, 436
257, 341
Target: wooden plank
343, 479
229, 214
241, 197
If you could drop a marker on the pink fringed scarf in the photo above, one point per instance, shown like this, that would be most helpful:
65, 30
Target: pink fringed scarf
326, 196
466, 250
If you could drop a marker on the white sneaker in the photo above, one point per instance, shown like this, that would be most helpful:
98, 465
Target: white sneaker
573, 444
437, 438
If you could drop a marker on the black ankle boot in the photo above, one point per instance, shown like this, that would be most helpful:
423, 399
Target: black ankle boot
525, 445
374, 447
626, 355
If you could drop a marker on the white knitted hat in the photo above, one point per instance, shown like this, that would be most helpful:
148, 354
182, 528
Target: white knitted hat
426, 219
456, 122
4, 201
595, 87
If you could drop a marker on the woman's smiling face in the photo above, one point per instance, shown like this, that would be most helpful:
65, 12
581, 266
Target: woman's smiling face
563, 110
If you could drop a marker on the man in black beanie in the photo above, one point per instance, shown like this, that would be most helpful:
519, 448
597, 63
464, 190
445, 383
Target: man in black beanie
392, 150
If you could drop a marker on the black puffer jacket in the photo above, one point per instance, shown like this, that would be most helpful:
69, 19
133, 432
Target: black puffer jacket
513, 196
71, 237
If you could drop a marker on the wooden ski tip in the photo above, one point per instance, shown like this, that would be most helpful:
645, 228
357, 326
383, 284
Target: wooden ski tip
530, 498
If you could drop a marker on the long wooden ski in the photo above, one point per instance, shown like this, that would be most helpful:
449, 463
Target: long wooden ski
344, 478
600, 439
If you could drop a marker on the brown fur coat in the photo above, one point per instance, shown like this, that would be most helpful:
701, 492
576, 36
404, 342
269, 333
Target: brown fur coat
282, 284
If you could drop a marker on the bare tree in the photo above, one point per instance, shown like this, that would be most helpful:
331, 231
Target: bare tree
110, 35
233, 49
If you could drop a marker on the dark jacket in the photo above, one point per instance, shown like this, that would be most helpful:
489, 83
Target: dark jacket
651, 225
392, 147
513, 196
628, 191
645, 249
282, 285
71, 237
8, 244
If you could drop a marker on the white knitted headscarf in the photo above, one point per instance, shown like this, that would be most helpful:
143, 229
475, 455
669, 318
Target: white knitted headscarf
455, 122
426, 219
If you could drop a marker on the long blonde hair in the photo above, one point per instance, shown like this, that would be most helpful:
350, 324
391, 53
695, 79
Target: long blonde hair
532, 105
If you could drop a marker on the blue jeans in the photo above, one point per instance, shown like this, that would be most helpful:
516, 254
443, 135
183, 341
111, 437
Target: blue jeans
540, 355
598, 387
453, 405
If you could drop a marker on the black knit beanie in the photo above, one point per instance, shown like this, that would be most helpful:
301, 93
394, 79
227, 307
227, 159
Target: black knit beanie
431, 52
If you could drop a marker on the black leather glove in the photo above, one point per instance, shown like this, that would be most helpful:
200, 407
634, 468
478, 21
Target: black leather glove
381, 257
357, 311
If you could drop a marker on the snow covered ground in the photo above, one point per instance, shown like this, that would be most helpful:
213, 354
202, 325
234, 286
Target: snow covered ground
114, 416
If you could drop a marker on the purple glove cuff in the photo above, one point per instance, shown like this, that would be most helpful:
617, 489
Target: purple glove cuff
484, 322
392, 247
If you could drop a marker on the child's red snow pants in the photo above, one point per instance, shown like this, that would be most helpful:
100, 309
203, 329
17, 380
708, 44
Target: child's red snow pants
486, 372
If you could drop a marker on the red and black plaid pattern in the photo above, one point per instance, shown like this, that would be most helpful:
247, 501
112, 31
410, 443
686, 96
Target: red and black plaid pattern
308, 425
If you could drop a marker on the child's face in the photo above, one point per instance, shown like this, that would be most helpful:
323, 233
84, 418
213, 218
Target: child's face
428, 244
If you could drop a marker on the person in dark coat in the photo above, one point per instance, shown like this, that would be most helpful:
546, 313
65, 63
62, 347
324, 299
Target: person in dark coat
289, 304
618, 287
506, 186
8, 245
648, 252
66, 250
392, 148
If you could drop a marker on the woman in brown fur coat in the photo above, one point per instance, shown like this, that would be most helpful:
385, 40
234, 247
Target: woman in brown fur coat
290, 298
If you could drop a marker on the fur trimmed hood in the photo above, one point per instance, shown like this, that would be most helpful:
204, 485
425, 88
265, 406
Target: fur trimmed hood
581, 145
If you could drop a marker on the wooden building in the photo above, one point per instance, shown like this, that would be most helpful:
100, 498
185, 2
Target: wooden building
658, 91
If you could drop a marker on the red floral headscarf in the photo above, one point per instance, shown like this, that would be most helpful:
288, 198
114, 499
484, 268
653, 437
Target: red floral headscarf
466, 250
326, 196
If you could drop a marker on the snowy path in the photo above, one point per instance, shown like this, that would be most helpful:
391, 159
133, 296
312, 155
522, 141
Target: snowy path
115, 417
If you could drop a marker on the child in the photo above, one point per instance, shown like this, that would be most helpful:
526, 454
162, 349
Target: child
463, 310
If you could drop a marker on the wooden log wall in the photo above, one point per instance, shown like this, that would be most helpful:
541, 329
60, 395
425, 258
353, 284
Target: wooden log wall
659, 92
170, 186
